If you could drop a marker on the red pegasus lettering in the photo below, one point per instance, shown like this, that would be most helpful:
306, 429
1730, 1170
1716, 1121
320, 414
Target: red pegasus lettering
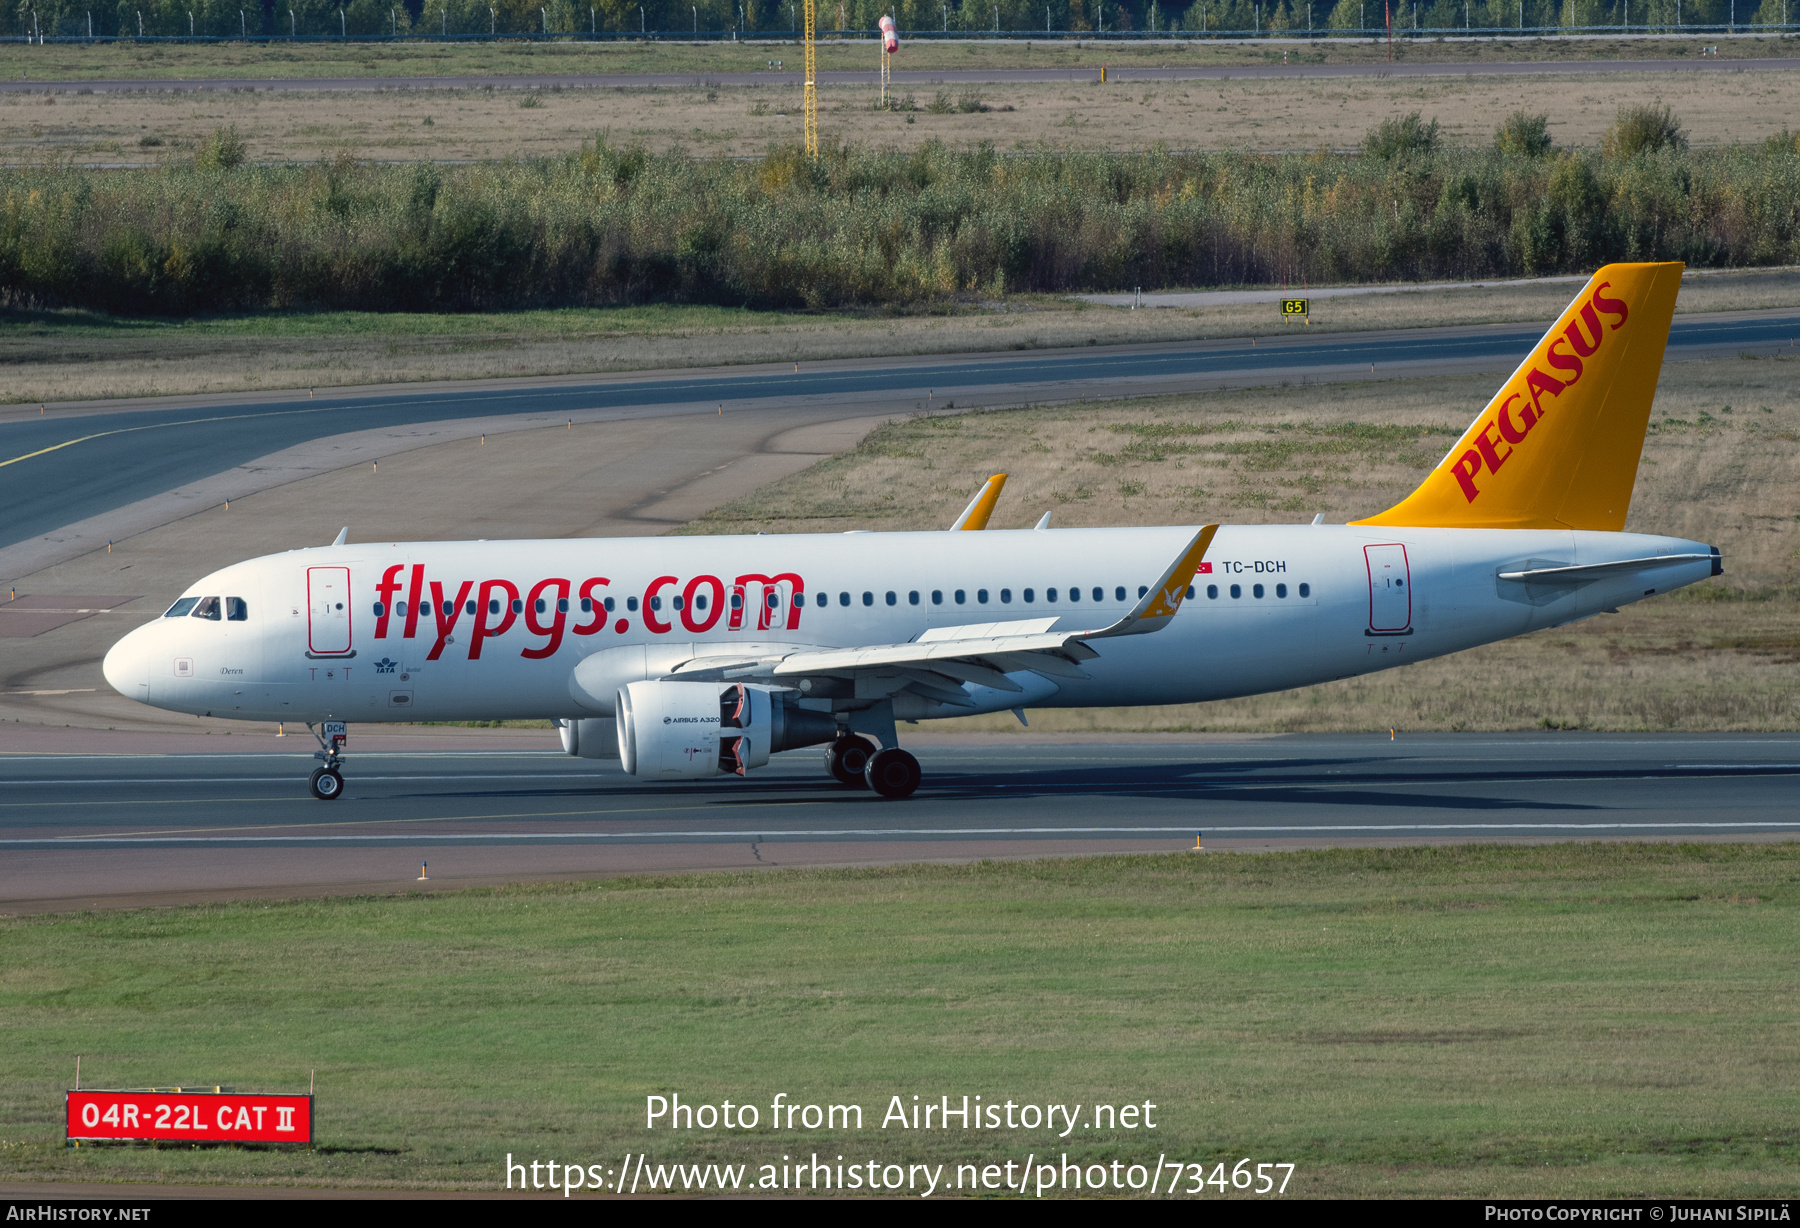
1537, 384
1611, 306
441, 607
555, 630
1582, 345
384, 597
482, 606
715, 605
1485, 443
1509, 431
1465, 471
1564, 362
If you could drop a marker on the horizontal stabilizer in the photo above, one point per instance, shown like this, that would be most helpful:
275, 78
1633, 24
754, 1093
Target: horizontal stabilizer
1598, 571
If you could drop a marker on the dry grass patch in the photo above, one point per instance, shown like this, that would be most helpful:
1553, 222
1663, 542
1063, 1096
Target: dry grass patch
713, 120
1719, 466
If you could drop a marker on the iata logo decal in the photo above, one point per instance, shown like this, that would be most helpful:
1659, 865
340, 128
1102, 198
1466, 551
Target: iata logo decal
386, 666
545, 608
1496, 438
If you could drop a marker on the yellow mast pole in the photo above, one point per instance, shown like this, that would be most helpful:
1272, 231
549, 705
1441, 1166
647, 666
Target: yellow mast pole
811, 107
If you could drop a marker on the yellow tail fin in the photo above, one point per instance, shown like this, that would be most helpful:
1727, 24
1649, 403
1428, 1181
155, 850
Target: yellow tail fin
1558, 446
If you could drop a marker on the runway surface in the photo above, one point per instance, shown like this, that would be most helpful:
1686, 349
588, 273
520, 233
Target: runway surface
109, 830
63, 467
963, 76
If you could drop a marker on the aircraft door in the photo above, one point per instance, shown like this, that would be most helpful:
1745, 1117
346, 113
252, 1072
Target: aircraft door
328, 610
1390, 590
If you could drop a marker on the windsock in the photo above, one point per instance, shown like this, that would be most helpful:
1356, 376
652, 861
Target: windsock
890, 36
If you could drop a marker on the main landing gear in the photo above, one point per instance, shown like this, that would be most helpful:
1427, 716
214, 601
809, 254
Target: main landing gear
327, 780
892, 772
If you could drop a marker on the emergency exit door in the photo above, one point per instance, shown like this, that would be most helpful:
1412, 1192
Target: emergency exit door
1390, 590
328, 610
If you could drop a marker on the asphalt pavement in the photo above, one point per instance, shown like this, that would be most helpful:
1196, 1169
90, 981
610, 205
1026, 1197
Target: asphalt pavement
73, 463
103, 829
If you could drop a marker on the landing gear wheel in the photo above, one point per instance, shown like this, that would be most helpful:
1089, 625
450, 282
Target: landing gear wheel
326, 784
893, 773
846, 759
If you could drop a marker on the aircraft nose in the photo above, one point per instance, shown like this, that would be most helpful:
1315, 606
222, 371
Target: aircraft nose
127, 665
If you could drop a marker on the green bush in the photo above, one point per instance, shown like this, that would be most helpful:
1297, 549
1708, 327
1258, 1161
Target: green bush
224, 150
1401, 138
1642, 130
1523, 136
621, 225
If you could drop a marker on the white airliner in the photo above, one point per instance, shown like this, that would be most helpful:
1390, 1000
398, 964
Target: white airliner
691, 657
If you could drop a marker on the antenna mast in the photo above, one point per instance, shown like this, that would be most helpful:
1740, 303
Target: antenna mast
811, 106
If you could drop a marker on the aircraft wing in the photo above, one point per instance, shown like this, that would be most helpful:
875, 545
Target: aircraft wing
939, 661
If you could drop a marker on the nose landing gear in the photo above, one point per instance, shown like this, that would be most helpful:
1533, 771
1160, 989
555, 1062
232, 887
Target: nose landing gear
327, 781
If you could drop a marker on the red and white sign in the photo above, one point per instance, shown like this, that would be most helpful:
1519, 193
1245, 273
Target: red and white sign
193, 1117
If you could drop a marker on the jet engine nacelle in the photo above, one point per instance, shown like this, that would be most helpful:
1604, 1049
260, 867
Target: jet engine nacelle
594, 737
689, 730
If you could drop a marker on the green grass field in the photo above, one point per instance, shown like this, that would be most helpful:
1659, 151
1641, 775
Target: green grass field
1597, 1020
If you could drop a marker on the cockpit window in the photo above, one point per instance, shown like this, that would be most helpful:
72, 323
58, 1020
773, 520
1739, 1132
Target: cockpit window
182, 608
208, 608
235, 610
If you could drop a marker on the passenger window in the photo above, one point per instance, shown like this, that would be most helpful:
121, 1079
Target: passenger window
562, 605
1049, 594
961, 597
912, 598
182, 608
699, 601
399, 607
540, 605
1306, 590
1100, 594
1119, 593
424, 607
1006, 595
937, 596
1190, 592
1212, 592
587, 605
868, 598
891, 599
236, 611
822, 600
380, 609
208, 608
1236, 592
772, 600
981, 595
1142, 590
1256, 590
656, 603
469, 608
1029, 595
1281, 590
677, 602
843, 598
611, 604
630, 603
